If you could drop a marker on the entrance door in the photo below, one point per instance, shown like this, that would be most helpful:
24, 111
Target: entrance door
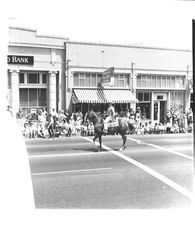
156, 111
162, 111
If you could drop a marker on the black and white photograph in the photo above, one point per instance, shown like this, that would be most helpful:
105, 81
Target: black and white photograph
98, 135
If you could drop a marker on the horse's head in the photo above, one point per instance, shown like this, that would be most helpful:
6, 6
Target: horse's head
91, 115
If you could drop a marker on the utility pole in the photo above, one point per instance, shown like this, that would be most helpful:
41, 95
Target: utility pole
193, 80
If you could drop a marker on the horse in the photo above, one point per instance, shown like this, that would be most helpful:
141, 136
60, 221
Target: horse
122, 129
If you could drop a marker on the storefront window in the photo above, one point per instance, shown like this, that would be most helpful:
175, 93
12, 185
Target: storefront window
140, 96
44, 78
76, 79
21, 78
93, 80
160, 81
144, 103
146, 97
32, 78
42, 97
23, 97
33, 98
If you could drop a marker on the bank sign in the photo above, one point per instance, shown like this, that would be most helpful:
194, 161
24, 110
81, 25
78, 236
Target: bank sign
26, 60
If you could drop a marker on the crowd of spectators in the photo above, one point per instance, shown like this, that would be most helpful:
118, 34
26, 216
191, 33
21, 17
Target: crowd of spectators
53, 124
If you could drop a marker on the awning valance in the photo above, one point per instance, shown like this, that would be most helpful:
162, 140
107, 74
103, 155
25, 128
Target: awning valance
100, 95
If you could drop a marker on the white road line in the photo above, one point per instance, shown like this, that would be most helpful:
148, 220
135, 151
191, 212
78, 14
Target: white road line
71, 171
49, 145
65, 155
148, 170
161, 148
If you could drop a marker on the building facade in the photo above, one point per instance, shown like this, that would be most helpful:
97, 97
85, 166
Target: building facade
53, 72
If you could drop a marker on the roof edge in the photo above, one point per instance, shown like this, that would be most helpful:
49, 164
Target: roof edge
125, 46
38, 35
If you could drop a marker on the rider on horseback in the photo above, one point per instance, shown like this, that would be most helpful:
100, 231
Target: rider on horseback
110, 116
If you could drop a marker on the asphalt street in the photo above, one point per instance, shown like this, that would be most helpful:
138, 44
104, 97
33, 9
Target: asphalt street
154, 172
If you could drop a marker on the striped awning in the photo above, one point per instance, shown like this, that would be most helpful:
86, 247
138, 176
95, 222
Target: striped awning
100, 95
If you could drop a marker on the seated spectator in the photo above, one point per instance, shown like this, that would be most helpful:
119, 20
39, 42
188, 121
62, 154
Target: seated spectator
142, 129
90, 129
176, 128
60, 122
151, 127
83, 129
168, 127
161, 128
147, 129
78, 125
67, 129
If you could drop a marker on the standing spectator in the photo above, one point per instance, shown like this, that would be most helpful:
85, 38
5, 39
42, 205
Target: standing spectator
67, 114
50, 125
20, 118
132, 116
144, 114
54, 115
189, 116
78, 125
19, 114
168, 116
41, 125
128, 114
86, 115
44, 112
138, 115
72, 124
79, 115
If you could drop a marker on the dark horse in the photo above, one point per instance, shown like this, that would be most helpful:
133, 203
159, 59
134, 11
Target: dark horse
122, 128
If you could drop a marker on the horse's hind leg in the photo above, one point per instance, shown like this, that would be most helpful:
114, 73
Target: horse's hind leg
124, 137
95, 137
100, 141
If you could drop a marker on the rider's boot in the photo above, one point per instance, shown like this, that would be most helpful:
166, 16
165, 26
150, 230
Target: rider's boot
105, 129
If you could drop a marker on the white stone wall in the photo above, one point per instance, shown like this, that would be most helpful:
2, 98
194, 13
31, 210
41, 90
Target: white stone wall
97, 55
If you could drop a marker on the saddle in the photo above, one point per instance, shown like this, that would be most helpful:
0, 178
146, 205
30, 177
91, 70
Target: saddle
113, 123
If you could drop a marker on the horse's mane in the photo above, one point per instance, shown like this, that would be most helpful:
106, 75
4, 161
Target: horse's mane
96, 115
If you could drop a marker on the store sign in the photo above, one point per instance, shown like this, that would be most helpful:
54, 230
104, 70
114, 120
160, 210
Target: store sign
27, 60
108, 77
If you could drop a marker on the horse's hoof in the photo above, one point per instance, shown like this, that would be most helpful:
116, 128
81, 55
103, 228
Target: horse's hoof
121, 149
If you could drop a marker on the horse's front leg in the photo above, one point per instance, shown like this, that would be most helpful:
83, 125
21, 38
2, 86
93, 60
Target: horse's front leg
124, 137
100, 141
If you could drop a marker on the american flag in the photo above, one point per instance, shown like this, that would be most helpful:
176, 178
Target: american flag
173, 104
74, 98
